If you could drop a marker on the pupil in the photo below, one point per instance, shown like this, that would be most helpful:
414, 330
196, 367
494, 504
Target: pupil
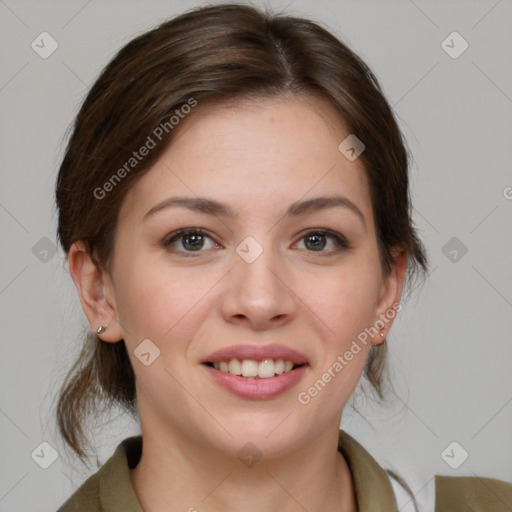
316, 245
196, 243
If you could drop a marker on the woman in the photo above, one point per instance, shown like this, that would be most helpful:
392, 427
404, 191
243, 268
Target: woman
234, 205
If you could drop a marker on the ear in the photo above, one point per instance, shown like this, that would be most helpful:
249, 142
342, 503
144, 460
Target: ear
389, 297
95, 291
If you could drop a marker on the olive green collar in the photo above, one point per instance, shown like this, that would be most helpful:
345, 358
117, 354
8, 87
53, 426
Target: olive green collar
373, 489
116, 490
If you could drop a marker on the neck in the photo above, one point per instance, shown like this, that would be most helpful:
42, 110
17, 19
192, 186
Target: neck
173, 474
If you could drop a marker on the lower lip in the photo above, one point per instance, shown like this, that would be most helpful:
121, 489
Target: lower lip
257, 389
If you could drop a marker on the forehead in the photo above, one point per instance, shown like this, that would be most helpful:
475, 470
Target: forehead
264, 152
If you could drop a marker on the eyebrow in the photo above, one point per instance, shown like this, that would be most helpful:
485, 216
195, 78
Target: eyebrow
212, 207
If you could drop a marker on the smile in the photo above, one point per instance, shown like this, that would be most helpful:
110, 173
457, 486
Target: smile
250, 368
256, 388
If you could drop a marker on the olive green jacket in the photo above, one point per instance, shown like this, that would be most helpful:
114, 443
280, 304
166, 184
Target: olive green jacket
110, 489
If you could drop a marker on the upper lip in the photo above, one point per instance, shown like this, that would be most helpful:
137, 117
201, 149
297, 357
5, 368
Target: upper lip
256, 353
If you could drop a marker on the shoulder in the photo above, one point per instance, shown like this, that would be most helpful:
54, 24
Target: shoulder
483, 494
456, 493
86, 498
110, 487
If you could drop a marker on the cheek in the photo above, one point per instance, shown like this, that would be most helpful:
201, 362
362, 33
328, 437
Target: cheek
156, 301
345, 301
148, 298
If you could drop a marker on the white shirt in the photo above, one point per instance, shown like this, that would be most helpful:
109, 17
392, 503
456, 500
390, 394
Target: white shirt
425, 498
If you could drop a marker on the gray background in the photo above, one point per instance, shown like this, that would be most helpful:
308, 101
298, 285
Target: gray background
450, 346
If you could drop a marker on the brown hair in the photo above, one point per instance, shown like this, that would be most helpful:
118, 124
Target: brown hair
211, 54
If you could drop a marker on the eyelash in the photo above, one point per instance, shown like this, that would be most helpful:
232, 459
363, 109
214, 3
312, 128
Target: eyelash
340, 241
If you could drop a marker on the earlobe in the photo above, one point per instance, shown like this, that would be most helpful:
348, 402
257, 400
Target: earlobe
90, 283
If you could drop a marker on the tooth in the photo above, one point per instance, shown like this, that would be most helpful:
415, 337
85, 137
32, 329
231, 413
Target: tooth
249, 368
235, 367
266, 369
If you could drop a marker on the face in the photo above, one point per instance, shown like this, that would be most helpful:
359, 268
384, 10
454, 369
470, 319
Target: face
263, 273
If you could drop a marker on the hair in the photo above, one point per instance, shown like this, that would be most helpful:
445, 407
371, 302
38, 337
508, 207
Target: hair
211, 55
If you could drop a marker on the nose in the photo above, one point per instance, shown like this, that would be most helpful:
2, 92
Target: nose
260, 294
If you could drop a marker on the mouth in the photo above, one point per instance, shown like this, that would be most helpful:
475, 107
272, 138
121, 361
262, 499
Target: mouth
253, 369
256, 371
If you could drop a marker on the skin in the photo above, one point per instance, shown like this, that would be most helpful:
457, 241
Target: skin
258, 157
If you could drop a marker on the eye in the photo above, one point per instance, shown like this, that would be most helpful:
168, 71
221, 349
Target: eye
192, 240
316, 241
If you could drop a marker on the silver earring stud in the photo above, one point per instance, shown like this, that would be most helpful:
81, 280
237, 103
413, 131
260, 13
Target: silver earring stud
101, 329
